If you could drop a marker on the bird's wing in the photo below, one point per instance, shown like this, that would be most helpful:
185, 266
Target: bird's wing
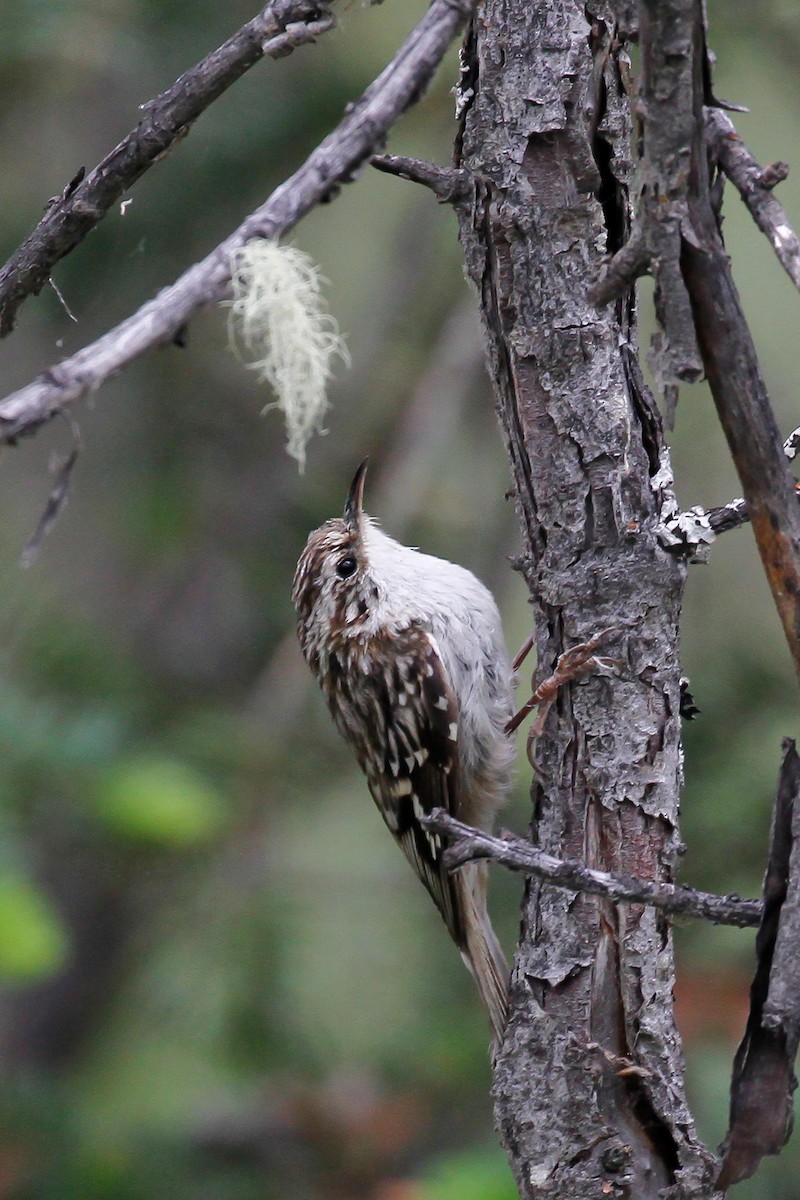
409, 750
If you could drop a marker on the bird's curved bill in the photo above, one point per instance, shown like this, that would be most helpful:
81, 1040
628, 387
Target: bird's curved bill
355, 497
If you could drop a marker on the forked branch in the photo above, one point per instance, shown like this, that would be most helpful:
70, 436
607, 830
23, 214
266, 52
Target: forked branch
359, 133
274, 32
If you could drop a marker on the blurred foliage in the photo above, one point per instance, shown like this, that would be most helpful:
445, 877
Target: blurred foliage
162, 801
220, 978
32, 940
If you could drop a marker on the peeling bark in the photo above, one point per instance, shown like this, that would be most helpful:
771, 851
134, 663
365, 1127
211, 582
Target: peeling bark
589, 1081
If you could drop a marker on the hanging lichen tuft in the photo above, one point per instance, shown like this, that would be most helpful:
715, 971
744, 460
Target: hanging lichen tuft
278, 318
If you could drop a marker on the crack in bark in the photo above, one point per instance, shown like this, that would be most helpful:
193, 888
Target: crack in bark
484, 202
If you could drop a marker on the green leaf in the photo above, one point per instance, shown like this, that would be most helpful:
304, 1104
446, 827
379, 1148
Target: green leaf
33, 942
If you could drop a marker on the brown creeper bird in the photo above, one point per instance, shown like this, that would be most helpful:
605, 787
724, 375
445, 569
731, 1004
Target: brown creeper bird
409, 653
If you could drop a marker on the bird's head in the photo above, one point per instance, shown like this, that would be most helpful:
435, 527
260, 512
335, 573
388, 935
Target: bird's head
332, 588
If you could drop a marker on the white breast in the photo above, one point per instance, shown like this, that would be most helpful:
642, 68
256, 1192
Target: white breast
462, 616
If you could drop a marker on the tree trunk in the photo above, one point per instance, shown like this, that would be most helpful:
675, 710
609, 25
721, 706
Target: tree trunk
589, 1081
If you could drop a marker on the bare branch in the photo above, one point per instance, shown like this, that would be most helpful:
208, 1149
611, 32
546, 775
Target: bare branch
468, 844
279, 27
334, 161
755, 184
745, 414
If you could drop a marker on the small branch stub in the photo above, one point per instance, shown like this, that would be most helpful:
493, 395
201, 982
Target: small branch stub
448, 184
693, 531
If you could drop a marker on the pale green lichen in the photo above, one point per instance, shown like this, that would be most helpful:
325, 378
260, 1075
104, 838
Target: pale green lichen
279, 318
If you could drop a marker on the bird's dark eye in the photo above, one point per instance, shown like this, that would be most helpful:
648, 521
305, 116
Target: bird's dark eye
346, 566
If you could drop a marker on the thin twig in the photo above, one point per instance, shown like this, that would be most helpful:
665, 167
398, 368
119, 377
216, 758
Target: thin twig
754, 184
468, 844
693, 530
279, 27
364, 126
523, 652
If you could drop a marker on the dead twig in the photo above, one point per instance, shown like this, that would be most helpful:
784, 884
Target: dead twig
754, 184
447, 183
468, 844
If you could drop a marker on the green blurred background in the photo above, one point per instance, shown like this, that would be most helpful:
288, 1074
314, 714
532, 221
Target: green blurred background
220, 979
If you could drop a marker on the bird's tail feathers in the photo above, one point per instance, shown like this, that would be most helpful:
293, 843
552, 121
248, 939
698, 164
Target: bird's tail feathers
482, 952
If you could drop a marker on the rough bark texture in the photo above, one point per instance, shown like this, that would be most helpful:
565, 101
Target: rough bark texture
588, 1083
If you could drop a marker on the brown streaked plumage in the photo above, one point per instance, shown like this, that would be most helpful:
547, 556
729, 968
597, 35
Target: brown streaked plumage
409, 654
